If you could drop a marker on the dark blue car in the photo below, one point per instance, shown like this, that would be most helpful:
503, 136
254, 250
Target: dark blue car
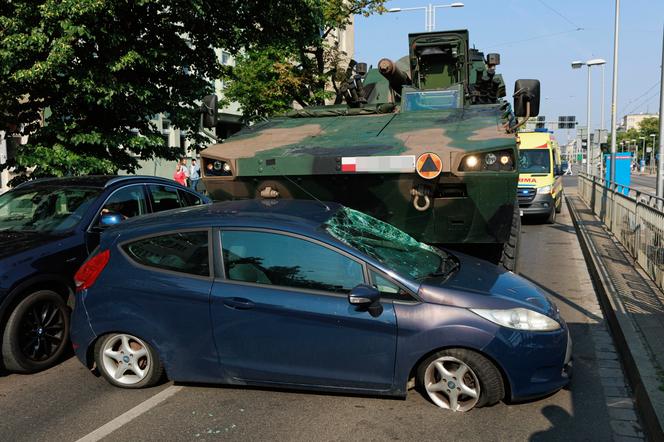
47, 229
311, 295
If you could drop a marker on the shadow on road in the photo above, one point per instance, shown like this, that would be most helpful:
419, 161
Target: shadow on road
560, 419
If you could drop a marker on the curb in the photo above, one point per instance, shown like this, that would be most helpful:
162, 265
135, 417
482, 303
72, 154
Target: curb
639, 369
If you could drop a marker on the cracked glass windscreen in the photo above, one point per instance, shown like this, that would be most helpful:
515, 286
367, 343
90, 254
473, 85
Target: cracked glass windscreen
384, 242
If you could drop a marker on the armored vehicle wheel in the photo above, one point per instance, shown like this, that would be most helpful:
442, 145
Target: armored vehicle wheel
510, 253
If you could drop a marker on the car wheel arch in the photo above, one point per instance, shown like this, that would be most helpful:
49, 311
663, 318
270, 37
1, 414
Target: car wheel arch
24, 288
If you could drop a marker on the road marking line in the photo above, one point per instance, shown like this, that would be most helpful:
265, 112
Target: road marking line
130, 415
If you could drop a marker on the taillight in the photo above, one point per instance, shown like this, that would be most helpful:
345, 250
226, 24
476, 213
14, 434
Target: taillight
90, 270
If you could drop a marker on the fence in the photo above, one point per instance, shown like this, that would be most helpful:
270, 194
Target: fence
635, 218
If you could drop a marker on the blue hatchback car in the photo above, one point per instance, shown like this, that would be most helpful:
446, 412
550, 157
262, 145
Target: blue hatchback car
311, 295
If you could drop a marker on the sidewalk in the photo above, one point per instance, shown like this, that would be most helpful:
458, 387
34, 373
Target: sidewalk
634, 308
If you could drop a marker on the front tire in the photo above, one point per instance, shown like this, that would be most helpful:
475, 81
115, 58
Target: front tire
510, 251
127, 361
561, 199
37, 332
551, 217
460, 380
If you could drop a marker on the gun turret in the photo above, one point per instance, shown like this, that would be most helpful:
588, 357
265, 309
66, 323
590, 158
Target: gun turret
393, 74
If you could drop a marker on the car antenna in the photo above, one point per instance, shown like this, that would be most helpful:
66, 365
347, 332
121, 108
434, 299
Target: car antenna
306, 191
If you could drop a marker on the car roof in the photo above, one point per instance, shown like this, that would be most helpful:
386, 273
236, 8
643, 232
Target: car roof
293, 215
98, 181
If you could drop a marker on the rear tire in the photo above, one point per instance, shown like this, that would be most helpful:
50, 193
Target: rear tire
127, 361
460, 380
37, 333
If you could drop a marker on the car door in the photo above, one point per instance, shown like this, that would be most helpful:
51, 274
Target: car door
281, 315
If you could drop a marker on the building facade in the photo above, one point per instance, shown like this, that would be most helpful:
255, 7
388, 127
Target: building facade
632, 121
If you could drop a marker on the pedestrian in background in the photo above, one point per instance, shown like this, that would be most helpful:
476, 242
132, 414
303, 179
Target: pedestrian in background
179, 174
185, 169
194, 174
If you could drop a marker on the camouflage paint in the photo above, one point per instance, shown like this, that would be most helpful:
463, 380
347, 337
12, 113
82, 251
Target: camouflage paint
301, 158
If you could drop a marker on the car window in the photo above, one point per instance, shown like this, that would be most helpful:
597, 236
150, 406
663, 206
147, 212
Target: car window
275, 259
387, 288
45, 209
128, 201
534, 161
164, 198
185, 252
189, 199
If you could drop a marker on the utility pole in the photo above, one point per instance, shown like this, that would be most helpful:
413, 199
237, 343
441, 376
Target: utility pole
614, 94
589, 145
660, 163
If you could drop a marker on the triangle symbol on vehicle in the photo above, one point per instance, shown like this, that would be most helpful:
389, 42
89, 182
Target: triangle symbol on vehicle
429, 165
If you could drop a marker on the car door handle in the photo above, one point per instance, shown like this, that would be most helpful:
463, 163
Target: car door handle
238, 303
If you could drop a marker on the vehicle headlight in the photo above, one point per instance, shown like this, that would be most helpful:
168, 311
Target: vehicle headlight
518, 318
471, 161
545, 189
497, 161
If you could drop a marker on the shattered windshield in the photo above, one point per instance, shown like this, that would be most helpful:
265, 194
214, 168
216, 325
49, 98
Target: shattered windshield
389, 245
46, 209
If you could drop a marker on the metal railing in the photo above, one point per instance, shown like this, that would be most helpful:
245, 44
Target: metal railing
635, 218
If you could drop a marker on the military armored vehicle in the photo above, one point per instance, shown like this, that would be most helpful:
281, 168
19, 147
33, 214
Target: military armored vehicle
427, 144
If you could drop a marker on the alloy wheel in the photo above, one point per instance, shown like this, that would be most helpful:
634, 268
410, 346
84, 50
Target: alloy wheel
452, 384
126, 359
41, 331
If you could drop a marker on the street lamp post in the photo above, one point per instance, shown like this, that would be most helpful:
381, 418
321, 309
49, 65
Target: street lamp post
636, 154
429, 13
652, 153
590, 153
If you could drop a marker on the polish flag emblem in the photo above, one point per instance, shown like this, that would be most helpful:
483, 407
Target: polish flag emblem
348, 164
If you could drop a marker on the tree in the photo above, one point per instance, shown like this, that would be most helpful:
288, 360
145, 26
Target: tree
647, 126
268, 79
83, 78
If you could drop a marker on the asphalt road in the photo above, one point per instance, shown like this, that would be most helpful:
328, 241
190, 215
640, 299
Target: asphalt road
645, 183
67, 402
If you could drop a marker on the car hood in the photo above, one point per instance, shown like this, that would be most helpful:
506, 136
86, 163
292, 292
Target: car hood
13, 243
480, 284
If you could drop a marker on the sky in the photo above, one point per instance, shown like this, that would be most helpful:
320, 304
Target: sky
539, 39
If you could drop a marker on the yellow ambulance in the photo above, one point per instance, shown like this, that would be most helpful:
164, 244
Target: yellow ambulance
540, 190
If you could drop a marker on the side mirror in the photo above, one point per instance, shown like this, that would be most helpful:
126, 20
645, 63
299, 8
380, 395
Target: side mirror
526, 93
363, 296
209, 111
110, 219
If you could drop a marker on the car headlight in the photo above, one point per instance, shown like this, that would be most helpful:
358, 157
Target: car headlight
545, 189
518, 318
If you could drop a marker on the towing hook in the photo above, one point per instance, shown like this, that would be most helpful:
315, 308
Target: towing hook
418, 196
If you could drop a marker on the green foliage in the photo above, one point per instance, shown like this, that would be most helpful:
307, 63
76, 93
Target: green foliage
83, 78
268, 79
647, 127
